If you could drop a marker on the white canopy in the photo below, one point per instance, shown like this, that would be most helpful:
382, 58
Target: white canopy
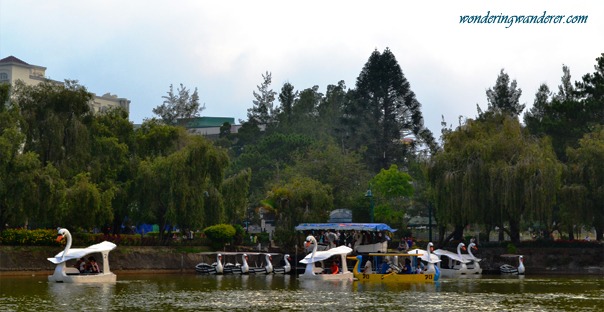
77, 253
323, 255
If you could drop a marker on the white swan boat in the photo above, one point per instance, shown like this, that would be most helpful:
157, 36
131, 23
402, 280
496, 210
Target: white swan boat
214, 268
510, 269
312, 272
473, 264
452, 264
65, 274
266, 269
429, 258
286, 268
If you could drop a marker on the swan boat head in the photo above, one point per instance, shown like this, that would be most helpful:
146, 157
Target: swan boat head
269, 264
64, 233
520, 265
245, 267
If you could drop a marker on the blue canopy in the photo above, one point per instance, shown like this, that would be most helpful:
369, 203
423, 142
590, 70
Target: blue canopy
370, 227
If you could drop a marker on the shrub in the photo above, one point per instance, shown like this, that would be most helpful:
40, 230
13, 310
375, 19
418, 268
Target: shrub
220, 234
40, 237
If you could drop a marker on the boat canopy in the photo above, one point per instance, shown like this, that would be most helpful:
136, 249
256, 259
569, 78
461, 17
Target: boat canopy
369, 227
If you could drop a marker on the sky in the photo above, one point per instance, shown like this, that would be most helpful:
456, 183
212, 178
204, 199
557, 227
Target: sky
136, 49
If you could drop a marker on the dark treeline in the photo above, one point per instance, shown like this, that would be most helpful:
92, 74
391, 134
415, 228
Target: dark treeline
301, 153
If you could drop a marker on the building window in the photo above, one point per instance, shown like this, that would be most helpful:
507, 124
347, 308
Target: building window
3, 76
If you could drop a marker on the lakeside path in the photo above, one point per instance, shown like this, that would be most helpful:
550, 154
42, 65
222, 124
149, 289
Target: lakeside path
27, 260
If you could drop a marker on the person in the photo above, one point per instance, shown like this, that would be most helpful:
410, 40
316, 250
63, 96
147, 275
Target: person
385, 267
418, 270
334, 267
407, 268
80, 265
402, 245
94, 267
367, 268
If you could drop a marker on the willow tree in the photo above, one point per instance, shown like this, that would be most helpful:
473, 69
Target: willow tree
235, 191
301, 199
492, 172
183, 188
584, 194
55, 121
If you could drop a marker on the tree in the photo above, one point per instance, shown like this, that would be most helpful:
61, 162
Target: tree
235, 191
570, 113
504, 97
262, 111
155, 139
584, 192
384, 110
392, 190
56, 120
287, 98
114, 163
183, 188
331, 111
30, 193
491, 172
178, 106
267, 159
343, 171
301, 199
86, 204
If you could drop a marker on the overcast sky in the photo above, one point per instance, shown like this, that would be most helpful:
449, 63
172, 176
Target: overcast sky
136, 49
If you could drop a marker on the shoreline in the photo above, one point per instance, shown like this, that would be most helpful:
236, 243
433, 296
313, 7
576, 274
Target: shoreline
32, 260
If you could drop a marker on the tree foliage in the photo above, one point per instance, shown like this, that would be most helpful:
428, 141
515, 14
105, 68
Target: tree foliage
491, 172
182, 104
383, 111
584, 192
504, 97
262, 112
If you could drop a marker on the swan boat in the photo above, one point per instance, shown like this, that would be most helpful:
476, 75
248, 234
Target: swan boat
473, 265
393, 274
246, 269
375, 240
430, 259
214, 268
455, 262
286, 268
510, 269
65, 274
312, 272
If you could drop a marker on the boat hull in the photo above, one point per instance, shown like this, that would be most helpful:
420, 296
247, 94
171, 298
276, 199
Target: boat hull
327, 277
394, 278
64, 275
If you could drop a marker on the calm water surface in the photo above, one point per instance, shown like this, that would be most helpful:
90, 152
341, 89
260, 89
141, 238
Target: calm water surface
190, 292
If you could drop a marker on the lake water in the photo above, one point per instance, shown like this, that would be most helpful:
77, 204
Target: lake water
191, 292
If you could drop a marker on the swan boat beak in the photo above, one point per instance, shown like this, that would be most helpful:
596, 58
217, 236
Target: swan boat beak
59, 238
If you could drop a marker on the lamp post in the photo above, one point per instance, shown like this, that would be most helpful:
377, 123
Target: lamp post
369, 195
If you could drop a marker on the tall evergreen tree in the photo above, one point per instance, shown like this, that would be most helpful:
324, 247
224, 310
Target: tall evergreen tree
177, 106
262, 112
383, 111
505, 96
287, 98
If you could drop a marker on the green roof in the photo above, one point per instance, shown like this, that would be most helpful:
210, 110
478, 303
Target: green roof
205, 122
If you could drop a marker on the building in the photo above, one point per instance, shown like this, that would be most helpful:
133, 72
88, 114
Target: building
207, 126
13, 69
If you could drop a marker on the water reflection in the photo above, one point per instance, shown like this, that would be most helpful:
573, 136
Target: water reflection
78, 296
190, 292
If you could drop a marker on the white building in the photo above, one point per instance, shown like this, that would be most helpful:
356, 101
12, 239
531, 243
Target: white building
13, 69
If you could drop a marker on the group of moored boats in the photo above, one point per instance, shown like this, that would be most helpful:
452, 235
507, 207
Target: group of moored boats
244, 267
417, 265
